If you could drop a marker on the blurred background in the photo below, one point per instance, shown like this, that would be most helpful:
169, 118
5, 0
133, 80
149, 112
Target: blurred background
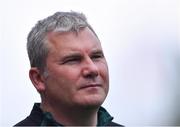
141, 41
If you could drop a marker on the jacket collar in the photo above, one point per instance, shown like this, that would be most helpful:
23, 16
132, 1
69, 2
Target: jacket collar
104, 118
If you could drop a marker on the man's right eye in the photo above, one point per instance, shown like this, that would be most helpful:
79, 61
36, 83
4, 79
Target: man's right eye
74, 60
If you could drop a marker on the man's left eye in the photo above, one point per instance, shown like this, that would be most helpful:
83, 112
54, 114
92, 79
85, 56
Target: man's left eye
97, 56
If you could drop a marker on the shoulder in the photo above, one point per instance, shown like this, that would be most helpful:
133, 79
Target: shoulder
28, 122
34, 119
114, 124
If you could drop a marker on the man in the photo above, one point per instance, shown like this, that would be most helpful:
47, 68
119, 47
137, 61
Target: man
69, 70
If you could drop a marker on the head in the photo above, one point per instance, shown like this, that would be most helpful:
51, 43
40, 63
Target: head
68, 66
59, 22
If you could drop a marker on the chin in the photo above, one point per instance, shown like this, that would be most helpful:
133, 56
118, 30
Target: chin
93, 102
91, 99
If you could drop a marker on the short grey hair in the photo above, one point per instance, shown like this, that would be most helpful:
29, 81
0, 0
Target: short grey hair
58, 22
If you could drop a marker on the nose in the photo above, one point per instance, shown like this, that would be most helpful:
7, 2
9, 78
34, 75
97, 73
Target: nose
90, 69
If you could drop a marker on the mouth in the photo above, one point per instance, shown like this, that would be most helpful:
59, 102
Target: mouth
90, 86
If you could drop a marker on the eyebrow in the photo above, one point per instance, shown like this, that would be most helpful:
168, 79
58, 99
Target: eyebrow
70, 55
99, 51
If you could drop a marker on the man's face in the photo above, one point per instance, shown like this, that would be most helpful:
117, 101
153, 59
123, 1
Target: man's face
77, 70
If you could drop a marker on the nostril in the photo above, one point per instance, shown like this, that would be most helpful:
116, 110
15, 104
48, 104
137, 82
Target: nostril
90, 73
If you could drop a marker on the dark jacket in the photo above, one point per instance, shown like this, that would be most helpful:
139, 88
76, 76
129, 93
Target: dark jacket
38, 118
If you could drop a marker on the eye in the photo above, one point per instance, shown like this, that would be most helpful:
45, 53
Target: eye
97, 56
72, 60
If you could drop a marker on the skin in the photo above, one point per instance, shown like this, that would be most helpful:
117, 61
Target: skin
77, 78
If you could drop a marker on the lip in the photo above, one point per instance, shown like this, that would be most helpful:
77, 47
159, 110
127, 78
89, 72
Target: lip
90, 86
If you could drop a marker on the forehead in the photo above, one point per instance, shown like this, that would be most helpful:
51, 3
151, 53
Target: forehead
71, 41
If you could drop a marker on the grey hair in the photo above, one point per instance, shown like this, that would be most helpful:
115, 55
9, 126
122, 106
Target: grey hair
58, 22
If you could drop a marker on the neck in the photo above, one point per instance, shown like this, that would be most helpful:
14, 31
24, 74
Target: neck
69, 116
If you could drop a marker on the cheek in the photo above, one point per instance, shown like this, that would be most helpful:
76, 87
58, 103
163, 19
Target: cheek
104, 72
63, 73
59, 89
63, 78
105, 77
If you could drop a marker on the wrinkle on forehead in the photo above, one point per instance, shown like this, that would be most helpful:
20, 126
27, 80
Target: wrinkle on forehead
61, 39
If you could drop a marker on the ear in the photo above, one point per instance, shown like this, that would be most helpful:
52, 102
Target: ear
37, 79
